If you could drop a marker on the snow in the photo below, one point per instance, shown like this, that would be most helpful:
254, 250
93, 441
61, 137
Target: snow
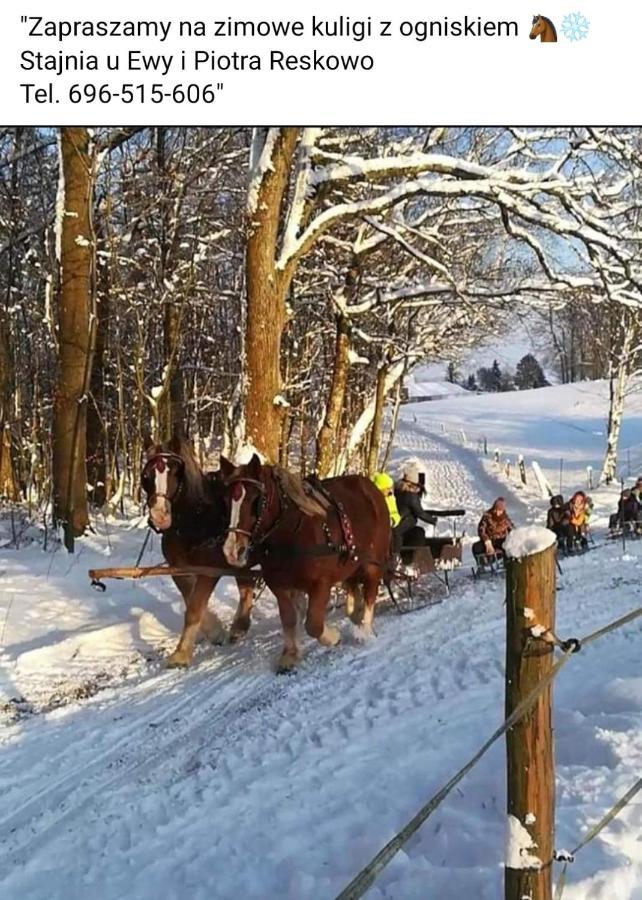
122, 778
518, 844
60, 204
522, 542
244, 454
260, 164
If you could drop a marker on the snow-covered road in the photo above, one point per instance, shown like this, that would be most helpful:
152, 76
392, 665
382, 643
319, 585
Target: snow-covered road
226, 781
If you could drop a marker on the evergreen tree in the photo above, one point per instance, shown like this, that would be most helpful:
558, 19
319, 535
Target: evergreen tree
495, 376
506, 381
452, 375
471, 383
529, 374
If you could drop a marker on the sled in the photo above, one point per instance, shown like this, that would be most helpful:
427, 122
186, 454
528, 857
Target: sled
488, 564
628, 531
419, 567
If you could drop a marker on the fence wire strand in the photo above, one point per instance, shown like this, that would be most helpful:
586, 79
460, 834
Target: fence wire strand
615, 810
368, 875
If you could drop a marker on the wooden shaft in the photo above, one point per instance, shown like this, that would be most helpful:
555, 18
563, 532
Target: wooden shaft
150, 571
530, 601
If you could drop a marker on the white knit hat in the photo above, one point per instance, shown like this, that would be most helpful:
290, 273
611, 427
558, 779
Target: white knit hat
410, 472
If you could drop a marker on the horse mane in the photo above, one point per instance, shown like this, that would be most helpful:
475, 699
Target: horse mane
310, 501
194, 482
546, 19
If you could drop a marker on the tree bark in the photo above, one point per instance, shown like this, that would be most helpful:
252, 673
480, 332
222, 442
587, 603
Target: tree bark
76, 325
328, 439
8, 479
618, 380
266, 292
98, 474
377, 419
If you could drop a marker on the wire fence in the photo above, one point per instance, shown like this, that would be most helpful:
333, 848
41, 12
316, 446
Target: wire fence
368, 875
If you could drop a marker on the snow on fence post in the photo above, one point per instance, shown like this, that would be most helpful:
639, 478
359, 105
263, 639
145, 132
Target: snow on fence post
530, 770
496, 455
463, 438
507, 468
542, 481
522, 468
589, 477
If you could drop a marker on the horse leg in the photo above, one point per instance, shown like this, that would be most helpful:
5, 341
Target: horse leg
315, 625
196, 604
291, 654
371, 582
211, 626
241, 623
354, 602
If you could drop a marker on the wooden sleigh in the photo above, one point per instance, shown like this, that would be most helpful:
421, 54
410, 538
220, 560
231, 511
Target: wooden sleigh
424, 570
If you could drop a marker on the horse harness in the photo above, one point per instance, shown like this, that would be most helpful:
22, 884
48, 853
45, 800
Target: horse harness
258, 537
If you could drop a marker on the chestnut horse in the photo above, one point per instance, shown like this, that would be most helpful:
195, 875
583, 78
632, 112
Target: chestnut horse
307, 538
544, 29
186, 507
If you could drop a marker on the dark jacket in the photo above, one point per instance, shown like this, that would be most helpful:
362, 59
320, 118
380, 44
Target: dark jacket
410, 508
628, 509
557, 515
493, 527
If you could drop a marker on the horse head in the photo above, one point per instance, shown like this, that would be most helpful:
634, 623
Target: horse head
245, 500
170, 476
543, 28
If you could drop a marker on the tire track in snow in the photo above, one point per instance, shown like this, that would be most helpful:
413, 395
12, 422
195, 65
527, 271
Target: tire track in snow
67, 796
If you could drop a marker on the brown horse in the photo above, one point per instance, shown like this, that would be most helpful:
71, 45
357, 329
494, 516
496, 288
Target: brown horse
307, 539
187, 508
544, 29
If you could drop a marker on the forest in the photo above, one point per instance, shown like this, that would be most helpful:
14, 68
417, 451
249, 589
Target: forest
272, 287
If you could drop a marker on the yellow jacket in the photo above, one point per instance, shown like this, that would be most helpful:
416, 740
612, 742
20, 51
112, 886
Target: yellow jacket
386, 485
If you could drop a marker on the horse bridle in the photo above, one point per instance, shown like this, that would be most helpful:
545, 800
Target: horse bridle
255, 536
151, 465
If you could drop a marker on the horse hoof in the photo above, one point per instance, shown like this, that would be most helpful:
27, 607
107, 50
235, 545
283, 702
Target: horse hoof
362, 634
237, 637
179, 659
330, 636
287, 664
219, 639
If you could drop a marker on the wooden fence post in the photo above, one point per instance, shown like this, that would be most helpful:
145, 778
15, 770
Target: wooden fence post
530, 766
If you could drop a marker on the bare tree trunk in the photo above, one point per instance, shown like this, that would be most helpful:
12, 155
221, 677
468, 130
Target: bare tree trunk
8, 479
76, 323
97, 429
328, 437
393, 424
377, 419
267, 288
617, 390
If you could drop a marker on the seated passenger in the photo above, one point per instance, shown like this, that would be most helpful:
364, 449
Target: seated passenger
557, 519
577, 512
494, 527
628, 511
407, 494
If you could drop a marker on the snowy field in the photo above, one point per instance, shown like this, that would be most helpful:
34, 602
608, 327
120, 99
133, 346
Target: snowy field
566, 422
122, 779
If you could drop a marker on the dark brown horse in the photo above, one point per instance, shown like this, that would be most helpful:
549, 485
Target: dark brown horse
543, 29
187, 508
307, 540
